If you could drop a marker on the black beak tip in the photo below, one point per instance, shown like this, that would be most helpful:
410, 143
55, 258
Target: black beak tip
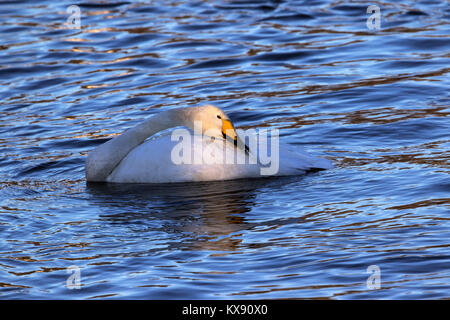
235, 142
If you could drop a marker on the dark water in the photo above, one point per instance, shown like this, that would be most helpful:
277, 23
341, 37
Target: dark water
375, 102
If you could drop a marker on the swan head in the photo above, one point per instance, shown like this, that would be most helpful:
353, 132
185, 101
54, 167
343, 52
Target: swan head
211, 121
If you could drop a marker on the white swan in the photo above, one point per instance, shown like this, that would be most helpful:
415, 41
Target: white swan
131, 158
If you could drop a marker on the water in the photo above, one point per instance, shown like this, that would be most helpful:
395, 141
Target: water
375, 102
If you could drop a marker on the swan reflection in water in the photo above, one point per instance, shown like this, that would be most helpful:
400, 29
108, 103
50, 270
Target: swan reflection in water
200, 215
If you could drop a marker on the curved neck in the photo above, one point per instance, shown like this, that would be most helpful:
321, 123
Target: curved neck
106, 157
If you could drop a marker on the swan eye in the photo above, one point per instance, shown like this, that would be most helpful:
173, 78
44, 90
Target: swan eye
219, 117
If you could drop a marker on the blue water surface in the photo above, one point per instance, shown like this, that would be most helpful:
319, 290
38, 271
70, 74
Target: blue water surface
375, 102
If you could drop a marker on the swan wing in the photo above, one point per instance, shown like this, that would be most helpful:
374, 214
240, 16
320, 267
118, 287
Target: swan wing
153, 162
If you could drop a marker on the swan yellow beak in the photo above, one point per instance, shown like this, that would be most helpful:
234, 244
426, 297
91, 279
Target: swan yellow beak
229, 133
228, 130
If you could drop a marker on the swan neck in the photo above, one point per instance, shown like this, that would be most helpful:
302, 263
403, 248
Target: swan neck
101, 162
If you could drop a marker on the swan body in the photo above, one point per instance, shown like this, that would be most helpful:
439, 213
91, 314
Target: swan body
132, 158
